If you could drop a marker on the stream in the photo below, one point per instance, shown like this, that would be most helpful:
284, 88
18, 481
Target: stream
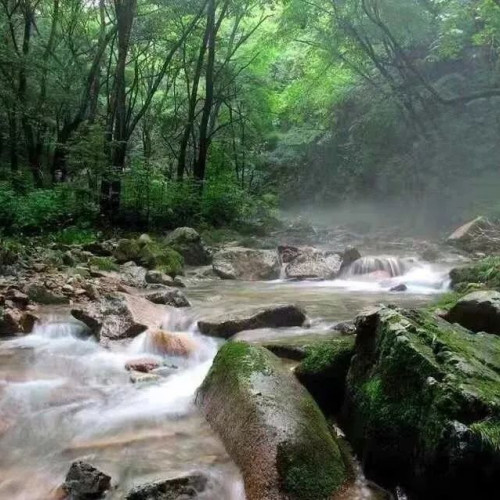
63, 397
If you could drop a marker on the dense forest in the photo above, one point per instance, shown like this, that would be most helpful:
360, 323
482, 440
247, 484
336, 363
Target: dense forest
155, 113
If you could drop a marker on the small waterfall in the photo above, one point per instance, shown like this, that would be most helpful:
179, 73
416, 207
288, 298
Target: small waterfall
390, 266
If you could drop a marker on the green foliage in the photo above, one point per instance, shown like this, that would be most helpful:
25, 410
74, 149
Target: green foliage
42, 210
104, 264
485, 272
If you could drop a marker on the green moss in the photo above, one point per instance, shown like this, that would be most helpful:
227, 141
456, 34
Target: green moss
155, 256
489, 433
104, 264
127, 250
416, 374
328, 355
485, 272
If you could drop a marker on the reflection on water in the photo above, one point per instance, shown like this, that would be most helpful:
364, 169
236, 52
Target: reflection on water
63, 397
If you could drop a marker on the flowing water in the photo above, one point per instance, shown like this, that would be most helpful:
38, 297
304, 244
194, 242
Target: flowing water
64, 397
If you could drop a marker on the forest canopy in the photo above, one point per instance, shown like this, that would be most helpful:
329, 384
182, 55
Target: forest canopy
158, 113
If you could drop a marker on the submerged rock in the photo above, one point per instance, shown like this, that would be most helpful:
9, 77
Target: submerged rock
143, 365
226, 326
423, 404
170, 489
270, 426
247, 264
477, 311
85, 482
399, 288
189, 244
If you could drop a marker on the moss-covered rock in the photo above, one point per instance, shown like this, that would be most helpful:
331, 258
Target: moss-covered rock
324, 370
423, 404
483, 273
271, 426
189, 244
155, 256
127, 250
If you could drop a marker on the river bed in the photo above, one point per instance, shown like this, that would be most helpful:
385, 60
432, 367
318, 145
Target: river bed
64, 398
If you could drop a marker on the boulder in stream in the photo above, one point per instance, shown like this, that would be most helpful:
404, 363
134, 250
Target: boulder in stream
477, 311
171, 489
170, 344
227, 325
311, 263
85, 482
120, 316
168, 297
238, 263
423, 404
270, 426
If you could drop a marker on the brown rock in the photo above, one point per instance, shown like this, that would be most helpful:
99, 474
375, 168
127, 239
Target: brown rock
143, 365
171, 344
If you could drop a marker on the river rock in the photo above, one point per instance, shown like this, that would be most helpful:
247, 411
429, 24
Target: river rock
169, 297
100, 248
423, 404
127, 250
170, 489
143, 365
270, 426
237, 263
155, 277
85, 482
465, 234
324, 369
14, 321
314, 264
133, 275
226, 326
189, 244
170, 344
477, 311
143, 378
42, 295
120, 316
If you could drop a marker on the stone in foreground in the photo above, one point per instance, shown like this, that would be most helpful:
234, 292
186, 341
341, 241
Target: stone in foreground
423, 404
270, 426
247, 264
274, 317
171, 489
85, 482
478, 311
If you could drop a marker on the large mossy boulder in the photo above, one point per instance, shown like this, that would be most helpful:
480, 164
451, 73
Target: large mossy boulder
227, 325
477, 311
189, 244
238, 263
323, 370
422, 404
270, 426
150, 254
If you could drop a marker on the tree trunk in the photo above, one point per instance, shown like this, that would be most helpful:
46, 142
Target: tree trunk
203, 139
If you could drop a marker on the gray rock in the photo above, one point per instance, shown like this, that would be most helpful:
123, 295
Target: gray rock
155, 277
399, 288
85, 482
314, 264
41, 295
101, 249
273, 317
477, 311
247, 264
120, 316
168, 297
189, 244
133, 275
179, 488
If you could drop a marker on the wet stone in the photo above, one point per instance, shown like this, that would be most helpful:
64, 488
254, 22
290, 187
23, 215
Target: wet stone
85, 482
180, 488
